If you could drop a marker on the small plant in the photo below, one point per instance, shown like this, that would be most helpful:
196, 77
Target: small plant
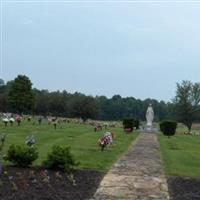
45, 176
58, 175
60, 158
21, 155
71, 179
13, 186
168, 127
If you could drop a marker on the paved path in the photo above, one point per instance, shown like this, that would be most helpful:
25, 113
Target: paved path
138, 175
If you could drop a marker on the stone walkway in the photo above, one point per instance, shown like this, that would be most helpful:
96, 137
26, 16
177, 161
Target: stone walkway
138, 175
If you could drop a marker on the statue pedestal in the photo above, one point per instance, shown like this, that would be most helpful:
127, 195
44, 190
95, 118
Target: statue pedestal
150, 129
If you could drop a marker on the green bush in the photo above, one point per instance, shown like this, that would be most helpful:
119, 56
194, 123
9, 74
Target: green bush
136, 123
168, 127
60, 158
128, 123
21, 155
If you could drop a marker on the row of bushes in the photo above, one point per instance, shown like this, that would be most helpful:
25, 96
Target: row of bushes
167, 127
59, 157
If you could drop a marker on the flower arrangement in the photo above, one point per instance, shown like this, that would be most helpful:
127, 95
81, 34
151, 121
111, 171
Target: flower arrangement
30, 141
107, 139
5, 121
18, 119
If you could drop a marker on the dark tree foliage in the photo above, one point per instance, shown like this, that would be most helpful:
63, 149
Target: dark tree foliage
18, 96
128, 123
3, 98
84, 107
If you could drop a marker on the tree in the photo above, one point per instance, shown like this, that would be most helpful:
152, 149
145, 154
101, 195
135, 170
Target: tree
2, 83
42, 99
84, 107
3, 98
18, 96
21, 97
187, 103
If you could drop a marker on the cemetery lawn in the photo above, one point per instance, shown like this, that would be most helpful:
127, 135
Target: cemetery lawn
181, 155
81, 138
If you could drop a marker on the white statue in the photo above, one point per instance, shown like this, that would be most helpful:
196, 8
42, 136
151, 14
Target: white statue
149, 115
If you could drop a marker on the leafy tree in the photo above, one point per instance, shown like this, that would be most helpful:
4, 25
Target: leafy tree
57, 103
21, 96
2, 83
187, 102
84, 107
42, 98
3, 98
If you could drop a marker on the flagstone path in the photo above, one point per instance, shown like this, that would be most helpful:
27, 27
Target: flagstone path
138, 175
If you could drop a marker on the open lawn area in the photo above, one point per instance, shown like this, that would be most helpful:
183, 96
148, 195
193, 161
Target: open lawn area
181, 155
81, 138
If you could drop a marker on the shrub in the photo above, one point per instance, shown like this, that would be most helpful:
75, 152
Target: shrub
136, 123
128, 123
168, 127
60, 158
21, 155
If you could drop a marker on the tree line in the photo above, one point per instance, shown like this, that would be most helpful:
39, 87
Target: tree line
18, 96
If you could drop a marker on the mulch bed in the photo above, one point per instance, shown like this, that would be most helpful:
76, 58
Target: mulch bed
38, 184
184, 188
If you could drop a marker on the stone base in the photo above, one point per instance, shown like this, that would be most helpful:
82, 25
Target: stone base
149, 129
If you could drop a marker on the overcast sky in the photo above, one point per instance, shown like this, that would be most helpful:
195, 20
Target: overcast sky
131, 49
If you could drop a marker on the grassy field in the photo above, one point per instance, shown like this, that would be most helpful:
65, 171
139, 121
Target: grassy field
81, 138
181, 154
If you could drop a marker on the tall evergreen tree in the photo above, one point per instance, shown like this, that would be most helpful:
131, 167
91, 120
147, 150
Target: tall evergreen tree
21, 97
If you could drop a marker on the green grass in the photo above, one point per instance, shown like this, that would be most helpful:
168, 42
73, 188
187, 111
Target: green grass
81, 138
181, 155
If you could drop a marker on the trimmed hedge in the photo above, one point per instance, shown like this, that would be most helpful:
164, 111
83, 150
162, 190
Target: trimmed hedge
168, 127
130, 123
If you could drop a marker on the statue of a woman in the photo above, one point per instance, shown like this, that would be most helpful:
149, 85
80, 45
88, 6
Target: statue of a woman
149, 115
